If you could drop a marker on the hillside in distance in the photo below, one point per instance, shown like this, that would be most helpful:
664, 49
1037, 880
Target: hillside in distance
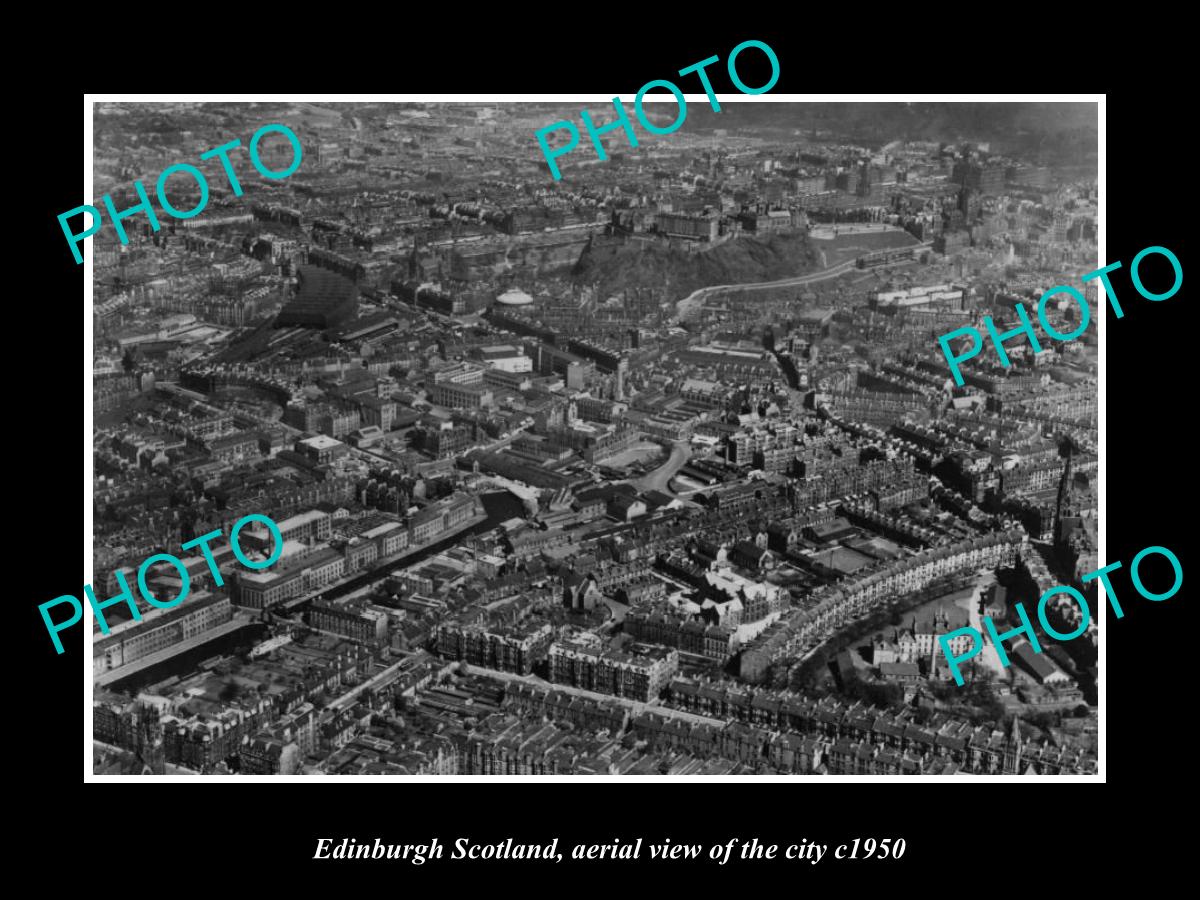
1044, 133
615, 264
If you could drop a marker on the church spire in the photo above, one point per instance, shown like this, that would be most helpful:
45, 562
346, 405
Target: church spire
1062, 506
150, 741
1013, 748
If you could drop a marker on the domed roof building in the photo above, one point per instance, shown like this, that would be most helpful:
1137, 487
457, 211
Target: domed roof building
514, 297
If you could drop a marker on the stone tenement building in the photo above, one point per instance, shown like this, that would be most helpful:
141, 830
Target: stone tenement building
834, 607
857, 739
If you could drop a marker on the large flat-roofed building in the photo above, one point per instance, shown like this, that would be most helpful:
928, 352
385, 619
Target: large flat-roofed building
259, 590
322, 448
460, 396
196, 615
390, 537
324, 299
506, 357
513, 381
300, 529
593, 444
460, 373
312, 525
551, 360
440, 516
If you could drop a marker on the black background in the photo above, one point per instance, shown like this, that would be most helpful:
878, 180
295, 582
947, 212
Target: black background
958, 832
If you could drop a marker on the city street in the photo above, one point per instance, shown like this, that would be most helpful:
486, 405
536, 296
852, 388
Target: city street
660, 478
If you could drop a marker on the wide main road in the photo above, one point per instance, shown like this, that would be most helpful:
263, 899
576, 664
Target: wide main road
696, 298
635, 706
660, 478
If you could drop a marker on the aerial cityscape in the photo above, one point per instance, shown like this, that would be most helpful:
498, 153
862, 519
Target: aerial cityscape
656, 469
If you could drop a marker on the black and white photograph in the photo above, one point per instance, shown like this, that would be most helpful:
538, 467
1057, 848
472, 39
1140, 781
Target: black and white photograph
548, 439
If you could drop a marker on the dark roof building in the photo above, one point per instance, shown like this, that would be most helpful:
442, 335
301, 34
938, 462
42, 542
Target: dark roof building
323, 300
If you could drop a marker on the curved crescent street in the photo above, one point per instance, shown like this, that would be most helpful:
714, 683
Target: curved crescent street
660, 478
